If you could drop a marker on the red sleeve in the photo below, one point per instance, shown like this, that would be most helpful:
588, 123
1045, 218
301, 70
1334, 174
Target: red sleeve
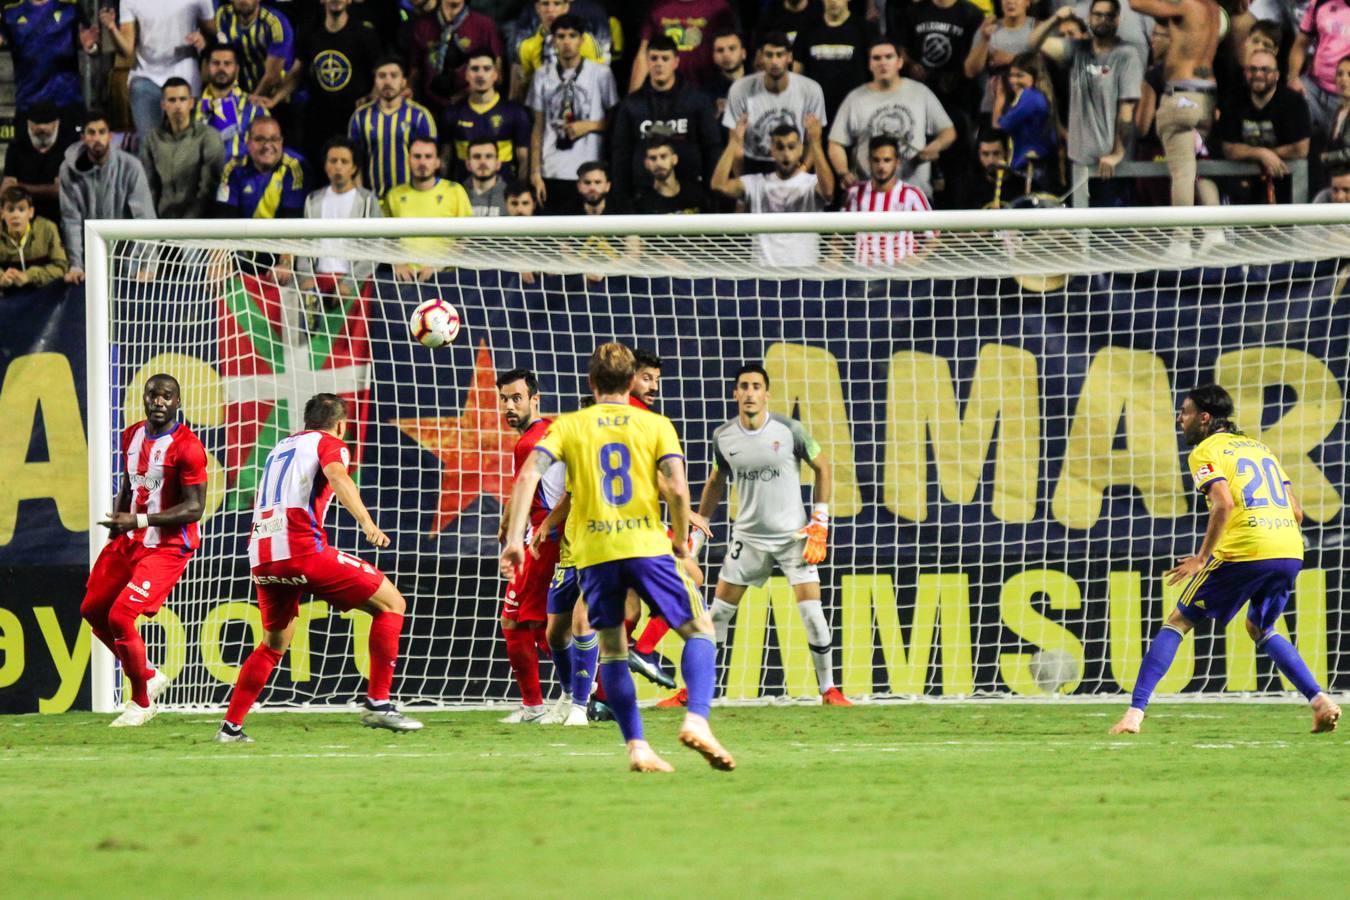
332, 450
192, 462
126, 437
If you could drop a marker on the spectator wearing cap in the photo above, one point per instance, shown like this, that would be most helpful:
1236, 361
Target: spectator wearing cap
34, 164
665, 107
99, 181
183, 157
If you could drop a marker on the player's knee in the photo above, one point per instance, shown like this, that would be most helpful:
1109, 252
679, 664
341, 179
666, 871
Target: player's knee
1255, 631
508, 624
558, 630
94, 611
1179, 622
277, 641
122, 620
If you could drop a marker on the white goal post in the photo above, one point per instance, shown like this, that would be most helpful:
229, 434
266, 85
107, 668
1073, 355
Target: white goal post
998, 406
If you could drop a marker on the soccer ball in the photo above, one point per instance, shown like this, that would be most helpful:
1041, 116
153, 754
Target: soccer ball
434, 323
1053, 669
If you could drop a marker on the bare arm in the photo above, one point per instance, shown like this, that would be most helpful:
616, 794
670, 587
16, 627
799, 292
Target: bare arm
722, 180
838, 158
941, 141
1158, 9
674, 489
184, 512
518, 511
1296, 150
639, 74
536, 155
712, 494
347, 494
1040, 38
1220, 511
819, 162
1293, 503
1298, 55
1145, 109
271, 80
555, 518
824, 478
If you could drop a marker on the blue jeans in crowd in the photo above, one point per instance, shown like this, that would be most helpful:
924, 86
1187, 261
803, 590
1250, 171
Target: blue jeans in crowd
146, 113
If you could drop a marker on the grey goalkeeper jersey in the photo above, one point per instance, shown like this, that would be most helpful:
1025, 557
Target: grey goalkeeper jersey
765, 466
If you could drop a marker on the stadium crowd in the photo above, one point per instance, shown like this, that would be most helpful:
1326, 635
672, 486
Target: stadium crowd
337, 108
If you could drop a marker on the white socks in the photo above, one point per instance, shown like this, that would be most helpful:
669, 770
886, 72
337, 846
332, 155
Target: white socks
818, 639
722, 614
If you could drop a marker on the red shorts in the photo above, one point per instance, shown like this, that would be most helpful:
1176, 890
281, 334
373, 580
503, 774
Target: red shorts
130, 572
527, 594
341, 580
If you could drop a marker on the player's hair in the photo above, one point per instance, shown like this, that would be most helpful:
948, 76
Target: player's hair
1115, 5
570, 21
991, 136
595, 165
14, 195
612, 368
163, 377
784, 130
1275, 34
174, 82
391, 60
323, 411
883, 140
645, 359
525, 375
1078, 20
1338, 171
420, 139
481, 53
752, 369
343, 143
518, 187
478, 142
776, 39
663, 43
1212, 399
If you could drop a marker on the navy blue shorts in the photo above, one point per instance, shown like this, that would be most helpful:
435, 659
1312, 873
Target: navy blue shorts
564, 591
659, 580
1219, 589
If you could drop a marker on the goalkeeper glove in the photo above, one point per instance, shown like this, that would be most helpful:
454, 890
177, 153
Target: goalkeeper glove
815, 535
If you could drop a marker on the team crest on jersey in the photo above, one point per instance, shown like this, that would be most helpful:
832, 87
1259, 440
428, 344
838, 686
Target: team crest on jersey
495, 120
776, 445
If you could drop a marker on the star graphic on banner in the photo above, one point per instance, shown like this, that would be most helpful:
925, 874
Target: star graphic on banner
474, 448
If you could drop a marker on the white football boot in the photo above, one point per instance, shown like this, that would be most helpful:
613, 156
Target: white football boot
526, 715
558, 714
134, 716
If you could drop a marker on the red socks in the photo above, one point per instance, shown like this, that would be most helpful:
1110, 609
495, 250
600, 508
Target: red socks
252, 679
522, 652
385, 629
651, 635
130, 650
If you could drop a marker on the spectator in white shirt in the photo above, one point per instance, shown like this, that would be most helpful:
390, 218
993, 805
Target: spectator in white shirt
788, 188
332, 281
164, 37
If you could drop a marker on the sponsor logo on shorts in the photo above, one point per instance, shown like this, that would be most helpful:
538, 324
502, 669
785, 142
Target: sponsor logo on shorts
143, 588
280, 579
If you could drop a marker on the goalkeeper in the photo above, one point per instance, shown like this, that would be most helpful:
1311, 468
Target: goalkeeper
760, 452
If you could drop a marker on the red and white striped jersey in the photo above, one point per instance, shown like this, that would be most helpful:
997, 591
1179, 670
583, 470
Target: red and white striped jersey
158, 467
293, 497
890, 247
552, 485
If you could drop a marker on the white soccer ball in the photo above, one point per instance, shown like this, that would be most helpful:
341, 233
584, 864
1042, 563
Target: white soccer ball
434, 323
1053, 669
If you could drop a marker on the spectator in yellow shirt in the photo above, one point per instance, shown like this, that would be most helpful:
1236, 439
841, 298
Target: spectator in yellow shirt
426, 196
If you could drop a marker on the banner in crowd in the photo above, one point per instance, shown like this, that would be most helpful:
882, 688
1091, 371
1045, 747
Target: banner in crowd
1008, 477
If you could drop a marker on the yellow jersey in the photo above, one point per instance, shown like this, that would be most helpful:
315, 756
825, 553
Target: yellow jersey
445, 199
1262, 525
612, 451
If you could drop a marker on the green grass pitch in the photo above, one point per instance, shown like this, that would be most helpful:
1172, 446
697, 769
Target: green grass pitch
875, 801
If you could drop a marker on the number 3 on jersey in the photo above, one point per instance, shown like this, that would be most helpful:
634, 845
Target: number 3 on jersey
616, 481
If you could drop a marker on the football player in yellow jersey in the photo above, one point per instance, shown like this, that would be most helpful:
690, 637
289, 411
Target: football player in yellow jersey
1252, 551
622, 462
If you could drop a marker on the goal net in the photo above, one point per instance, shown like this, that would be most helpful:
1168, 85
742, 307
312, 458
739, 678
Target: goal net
996, 393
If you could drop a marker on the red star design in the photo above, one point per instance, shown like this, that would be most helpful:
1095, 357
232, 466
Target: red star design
474, 447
